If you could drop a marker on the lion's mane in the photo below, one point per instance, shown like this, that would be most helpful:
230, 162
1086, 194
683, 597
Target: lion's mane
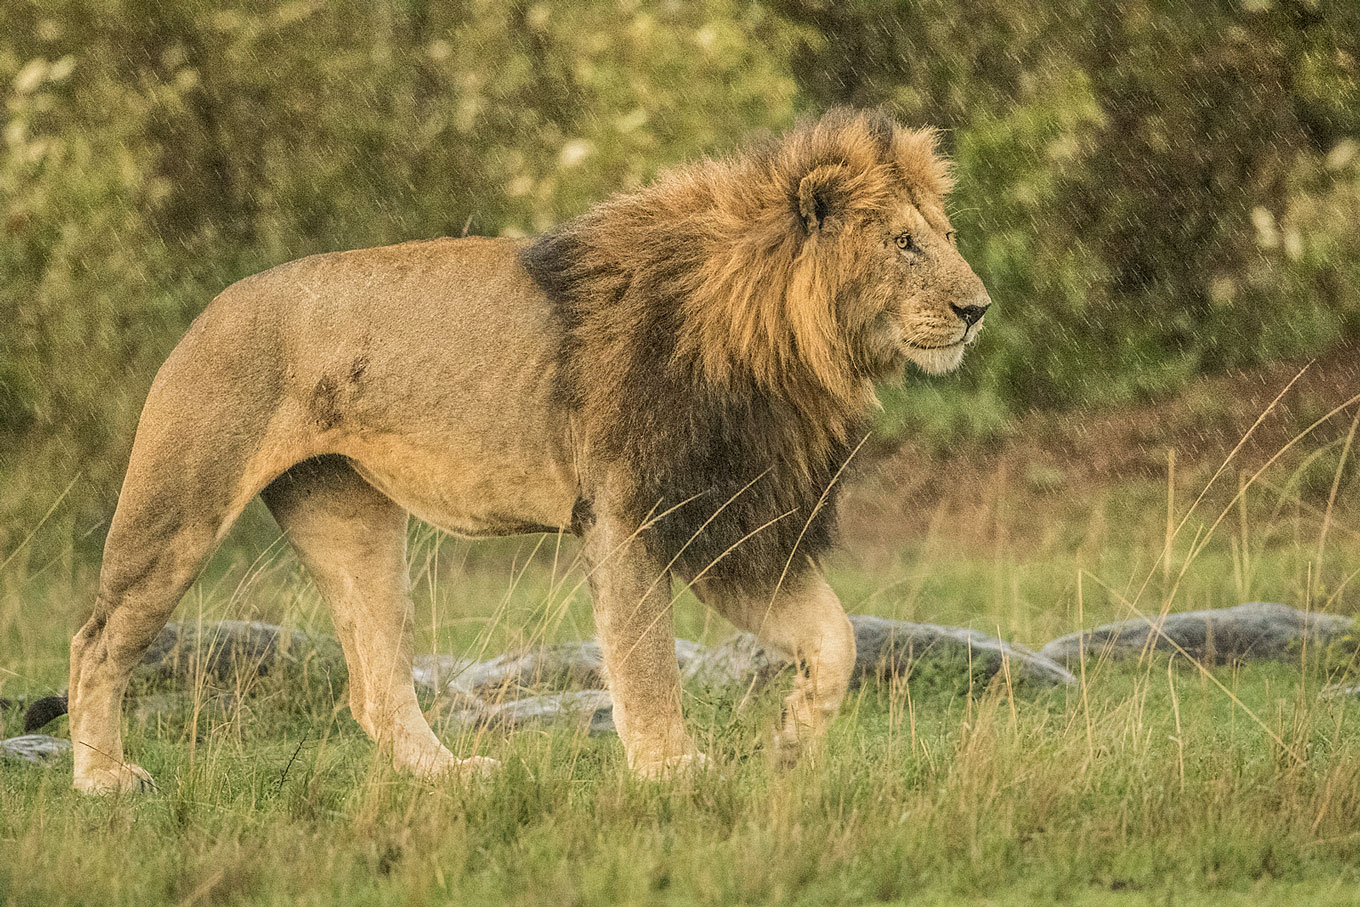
703, 357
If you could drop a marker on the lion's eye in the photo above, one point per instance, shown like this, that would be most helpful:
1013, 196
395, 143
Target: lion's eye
906, 243
950, 235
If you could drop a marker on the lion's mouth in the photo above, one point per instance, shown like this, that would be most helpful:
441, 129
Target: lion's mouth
970, 334
944, 346
968, 337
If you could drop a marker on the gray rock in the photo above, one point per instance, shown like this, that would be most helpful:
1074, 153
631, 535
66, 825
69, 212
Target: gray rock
434, 673
590, 710
686, 650
35, 748
1340, 691
1256, 630
884, 648
895, 648
739, 661
565, 666
226, 649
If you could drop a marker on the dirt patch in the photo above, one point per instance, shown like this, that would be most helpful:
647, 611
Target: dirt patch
1050, 466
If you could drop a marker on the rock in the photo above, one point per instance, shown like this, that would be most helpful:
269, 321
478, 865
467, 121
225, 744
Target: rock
590, 710
686, 650
565, 666
222, 649
35, 748
884, 648
1256, 630
507, 691
739, 661
894, 648
434, 673
1340, 691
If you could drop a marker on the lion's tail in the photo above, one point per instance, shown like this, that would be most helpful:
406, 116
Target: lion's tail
44, 711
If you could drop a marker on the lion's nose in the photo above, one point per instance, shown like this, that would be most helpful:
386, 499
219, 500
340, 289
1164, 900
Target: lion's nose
971, 314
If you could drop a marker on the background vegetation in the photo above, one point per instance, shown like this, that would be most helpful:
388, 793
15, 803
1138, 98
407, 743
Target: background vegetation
1150, 189
1163, 198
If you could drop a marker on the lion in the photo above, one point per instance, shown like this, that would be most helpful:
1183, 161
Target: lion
678, 377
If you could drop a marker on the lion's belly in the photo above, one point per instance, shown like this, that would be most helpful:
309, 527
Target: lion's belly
433, 367
467, 490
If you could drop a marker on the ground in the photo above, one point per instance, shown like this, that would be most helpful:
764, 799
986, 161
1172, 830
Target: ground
1146, 782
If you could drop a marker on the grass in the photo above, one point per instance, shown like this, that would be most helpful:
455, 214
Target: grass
1148, 782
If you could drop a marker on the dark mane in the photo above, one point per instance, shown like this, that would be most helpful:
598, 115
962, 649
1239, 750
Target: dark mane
701, 361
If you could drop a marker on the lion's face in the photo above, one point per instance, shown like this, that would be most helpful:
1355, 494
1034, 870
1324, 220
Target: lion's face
919, 301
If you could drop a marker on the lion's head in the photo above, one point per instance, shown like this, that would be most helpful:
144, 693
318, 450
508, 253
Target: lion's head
829, 249
823, 253
903, 290
724, 325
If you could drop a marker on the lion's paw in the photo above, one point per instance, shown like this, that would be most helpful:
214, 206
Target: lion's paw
477, 767
674, 766
442, 764
117, 779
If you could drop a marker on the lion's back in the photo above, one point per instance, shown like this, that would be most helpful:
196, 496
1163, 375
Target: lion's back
426, 305
433, 362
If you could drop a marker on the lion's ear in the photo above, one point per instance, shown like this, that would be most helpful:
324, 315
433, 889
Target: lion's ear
820, 196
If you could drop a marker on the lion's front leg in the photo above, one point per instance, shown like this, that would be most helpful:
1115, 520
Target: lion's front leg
804, 620
637, 637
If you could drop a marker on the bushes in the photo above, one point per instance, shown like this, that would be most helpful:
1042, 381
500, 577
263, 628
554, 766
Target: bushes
154, 152
1127, 171
1150, 190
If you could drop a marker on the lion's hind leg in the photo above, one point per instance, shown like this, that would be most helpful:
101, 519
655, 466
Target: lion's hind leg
142, 581
352, 540
185, 487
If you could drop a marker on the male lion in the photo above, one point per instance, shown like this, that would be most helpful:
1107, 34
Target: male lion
678, 377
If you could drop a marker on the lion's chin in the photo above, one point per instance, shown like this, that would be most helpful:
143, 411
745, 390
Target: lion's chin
939, 361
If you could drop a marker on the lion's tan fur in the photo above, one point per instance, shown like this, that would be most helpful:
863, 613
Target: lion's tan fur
723, 336
759, 297
677, 377
764, 297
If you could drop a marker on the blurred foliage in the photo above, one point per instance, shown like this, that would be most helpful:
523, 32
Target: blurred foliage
154, 152
1150, 189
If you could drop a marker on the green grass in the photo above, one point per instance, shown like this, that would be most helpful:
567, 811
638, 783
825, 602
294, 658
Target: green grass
1148, 782
1145, 783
